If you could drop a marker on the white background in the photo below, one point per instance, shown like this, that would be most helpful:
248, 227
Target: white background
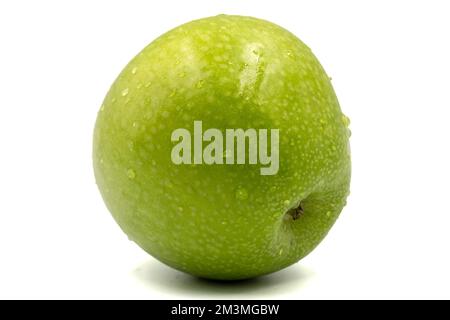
390, 64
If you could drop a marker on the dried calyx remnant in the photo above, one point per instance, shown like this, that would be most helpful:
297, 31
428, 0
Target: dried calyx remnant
295, 213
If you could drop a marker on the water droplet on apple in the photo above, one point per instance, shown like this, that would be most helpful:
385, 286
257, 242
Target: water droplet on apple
243, 66
280, 252
241, 194
125, 92
199, 84
328, 214
131, 174
165, 114
148, 84
345, 120
102, 107
134, 70
286, 202
173, 93
168, 184
131, 146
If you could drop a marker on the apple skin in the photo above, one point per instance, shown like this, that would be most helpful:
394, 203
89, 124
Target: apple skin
223, 222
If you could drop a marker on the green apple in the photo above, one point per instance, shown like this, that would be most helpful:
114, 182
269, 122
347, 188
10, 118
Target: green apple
223, 220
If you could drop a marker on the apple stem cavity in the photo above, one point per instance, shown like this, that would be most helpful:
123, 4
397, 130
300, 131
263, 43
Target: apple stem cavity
295, 213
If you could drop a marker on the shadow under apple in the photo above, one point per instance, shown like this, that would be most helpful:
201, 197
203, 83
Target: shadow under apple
167, 280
